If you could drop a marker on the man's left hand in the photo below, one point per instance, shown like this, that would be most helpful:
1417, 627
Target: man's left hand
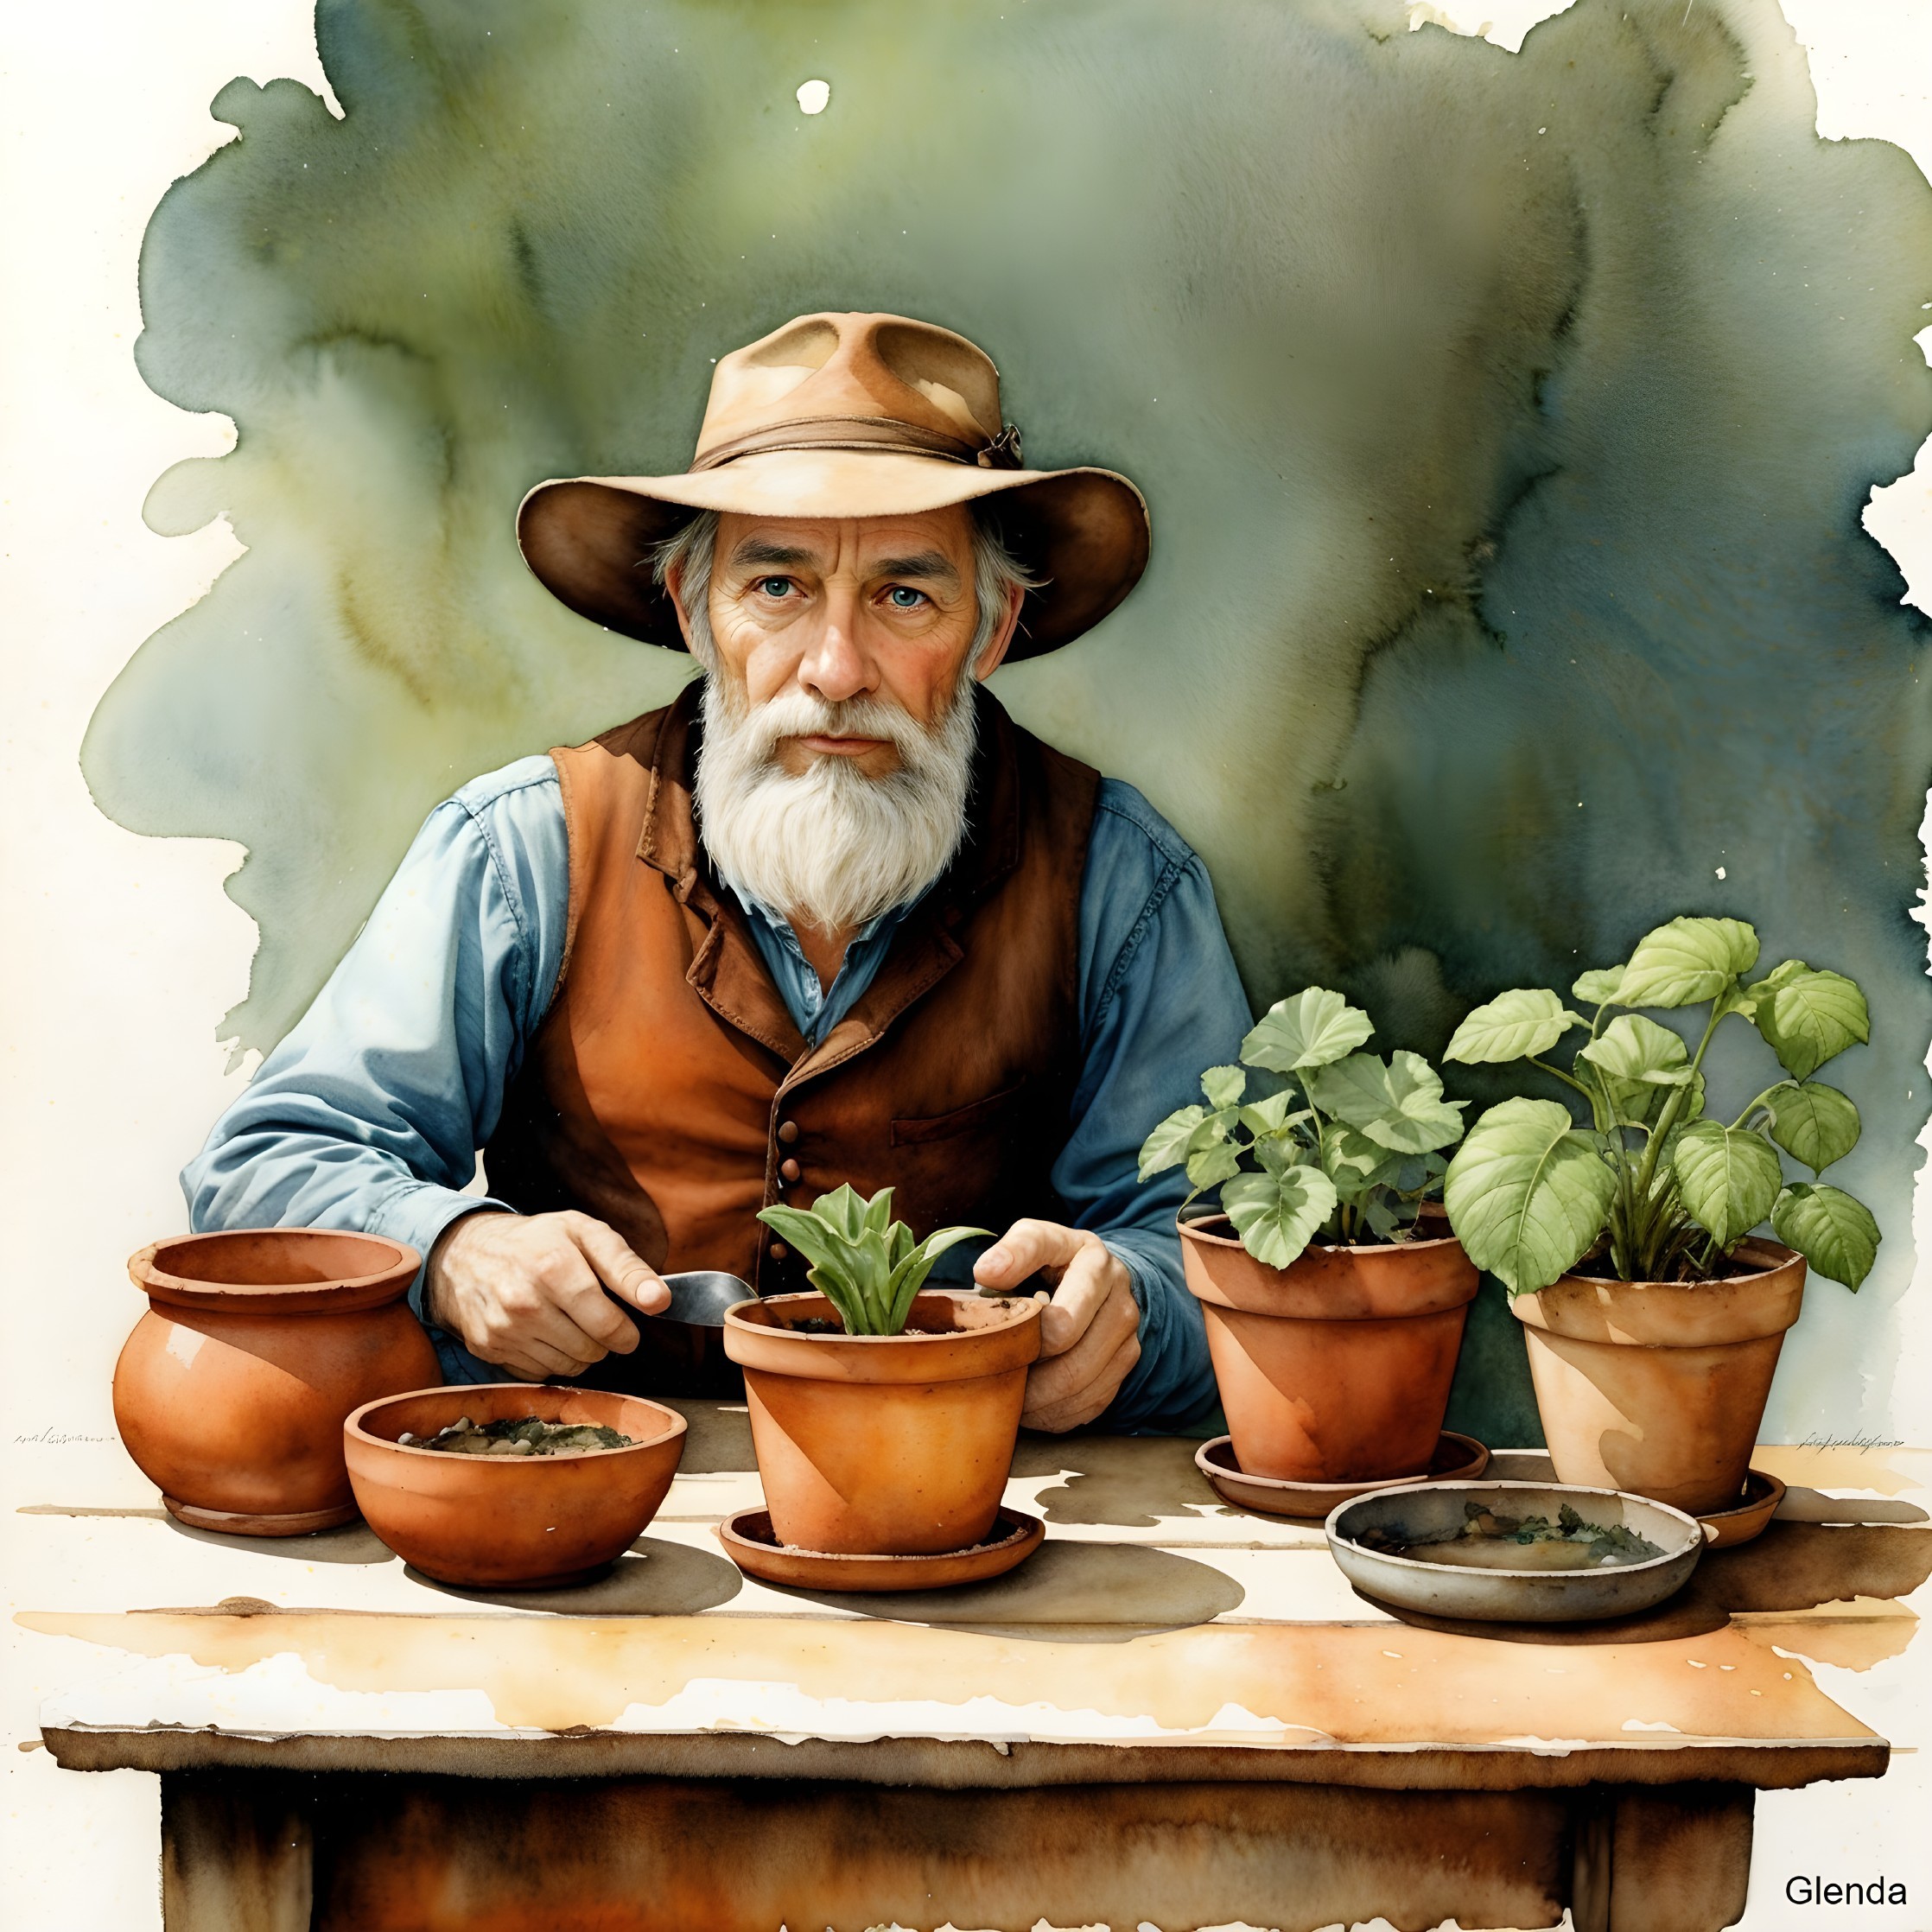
1090, 1332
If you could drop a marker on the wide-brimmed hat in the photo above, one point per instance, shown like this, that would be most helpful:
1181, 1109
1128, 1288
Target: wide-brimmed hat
846, 415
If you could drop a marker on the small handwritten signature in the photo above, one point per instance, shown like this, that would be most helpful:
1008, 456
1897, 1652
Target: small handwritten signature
1859, 1442
61, 1438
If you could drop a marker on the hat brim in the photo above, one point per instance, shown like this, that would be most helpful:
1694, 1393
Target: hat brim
589, 539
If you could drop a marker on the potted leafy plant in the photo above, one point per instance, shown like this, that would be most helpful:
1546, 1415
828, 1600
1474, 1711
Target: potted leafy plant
1334, 1313
883, 1418
1654, 1316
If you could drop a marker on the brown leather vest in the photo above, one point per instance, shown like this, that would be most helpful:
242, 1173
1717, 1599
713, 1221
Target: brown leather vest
668, 1092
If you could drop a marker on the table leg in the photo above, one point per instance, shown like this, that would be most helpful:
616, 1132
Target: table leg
237, 1853
1662, 1858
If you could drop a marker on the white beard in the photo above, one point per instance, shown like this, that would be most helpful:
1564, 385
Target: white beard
831, 848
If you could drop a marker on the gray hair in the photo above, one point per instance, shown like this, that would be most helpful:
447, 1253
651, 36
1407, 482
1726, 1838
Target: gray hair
691, 550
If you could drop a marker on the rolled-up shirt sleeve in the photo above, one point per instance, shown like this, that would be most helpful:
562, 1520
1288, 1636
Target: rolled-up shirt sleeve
369, 1113
1161, 1003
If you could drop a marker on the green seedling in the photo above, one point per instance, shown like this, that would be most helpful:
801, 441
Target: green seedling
1345, 1151
865, 1263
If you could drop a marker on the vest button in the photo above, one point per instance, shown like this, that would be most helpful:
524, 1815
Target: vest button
788, 1131
779, 1251
788, 1170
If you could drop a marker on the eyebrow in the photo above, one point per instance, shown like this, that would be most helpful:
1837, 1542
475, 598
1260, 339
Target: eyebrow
921, 564
757, 550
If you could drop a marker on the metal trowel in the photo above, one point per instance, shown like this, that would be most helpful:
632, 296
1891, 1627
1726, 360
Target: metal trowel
700, 1297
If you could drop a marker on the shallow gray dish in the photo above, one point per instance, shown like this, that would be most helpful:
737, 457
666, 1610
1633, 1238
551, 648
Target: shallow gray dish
1436, 1510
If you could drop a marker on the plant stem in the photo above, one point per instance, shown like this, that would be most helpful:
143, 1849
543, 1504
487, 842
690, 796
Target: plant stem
1672, 1107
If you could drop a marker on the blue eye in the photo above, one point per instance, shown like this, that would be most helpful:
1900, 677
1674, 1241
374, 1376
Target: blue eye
905, 598
774, 587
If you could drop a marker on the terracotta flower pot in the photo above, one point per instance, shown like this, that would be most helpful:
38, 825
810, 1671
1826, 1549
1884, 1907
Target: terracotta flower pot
884, 1445
1658, 1387
521, 1523
1336, 1367
231, 1392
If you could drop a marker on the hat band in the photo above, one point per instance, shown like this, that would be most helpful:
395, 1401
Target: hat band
882, 433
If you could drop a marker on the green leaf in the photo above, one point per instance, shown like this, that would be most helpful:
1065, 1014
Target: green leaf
821, 1245
1598, 988
1278, 1214
1528, 1193
842, 1210
909, 1273
1166, 1146
1354, 1162
1310, 1029
1223, 1086
1269, 1117
1398, 1104
843, 1297
1834, 1232
1728, 1178
1511, 1026
1213, 1163
1812, 1017
1687, 961
1638, 1060
1635, 1049
1812, 1122
879, 1211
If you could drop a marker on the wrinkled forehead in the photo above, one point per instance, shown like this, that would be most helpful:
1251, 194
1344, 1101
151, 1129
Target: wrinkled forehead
914, 544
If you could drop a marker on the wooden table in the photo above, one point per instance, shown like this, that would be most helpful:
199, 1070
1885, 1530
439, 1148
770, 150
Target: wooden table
1176, 1715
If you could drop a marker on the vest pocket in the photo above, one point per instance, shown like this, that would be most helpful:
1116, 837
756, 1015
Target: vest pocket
961, 1120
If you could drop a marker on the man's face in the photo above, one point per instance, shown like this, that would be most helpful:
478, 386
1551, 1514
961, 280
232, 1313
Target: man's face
876, 607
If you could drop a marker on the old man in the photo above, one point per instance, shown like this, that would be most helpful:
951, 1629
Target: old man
831, 916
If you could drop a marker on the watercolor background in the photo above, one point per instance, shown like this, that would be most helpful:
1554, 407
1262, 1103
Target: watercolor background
1506, 419
126, 954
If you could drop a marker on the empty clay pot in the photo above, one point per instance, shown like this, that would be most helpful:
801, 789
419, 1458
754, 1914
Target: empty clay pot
521, 1523
1336, 1367
231, 1392
884, 1445
1657, 1387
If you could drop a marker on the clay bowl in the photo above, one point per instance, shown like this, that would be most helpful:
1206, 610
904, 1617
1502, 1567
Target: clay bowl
1513, 1595
257, 1343
510, 1521
1458, 1458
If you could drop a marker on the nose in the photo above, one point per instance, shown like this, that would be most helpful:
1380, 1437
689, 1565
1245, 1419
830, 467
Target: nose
835, 668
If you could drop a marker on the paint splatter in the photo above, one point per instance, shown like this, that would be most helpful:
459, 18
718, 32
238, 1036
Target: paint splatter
1516, 413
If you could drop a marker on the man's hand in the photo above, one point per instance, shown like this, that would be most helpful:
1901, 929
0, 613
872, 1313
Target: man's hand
1089, 1333
527, 1291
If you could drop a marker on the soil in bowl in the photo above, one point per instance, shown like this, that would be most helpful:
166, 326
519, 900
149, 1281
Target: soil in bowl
1489, 1539
519, 1435
515, 1520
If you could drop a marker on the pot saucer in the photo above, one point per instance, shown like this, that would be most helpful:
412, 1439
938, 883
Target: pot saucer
304, 1522
1747, 1518
1458, 1458
750, 1544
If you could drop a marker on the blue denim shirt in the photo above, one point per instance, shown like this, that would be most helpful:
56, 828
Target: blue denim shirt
369, 1113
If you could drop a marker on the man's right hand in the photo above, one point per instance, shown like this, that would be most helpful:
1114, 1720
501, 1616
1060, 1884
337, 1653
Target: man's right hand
526, 1292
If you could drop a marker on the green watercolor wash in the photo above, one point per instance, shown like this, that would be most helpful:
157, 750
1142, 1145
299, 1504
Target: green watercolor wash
1506, 421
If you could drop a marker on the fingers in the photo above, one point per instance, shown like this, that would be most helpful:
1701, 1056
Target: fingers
1115, 1323
531, 1360
1024, 1249
619, 1267
1083, 1404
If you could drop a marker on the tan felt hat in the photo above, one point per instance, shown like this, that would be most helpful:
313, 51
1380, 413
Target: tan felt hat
845, 416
